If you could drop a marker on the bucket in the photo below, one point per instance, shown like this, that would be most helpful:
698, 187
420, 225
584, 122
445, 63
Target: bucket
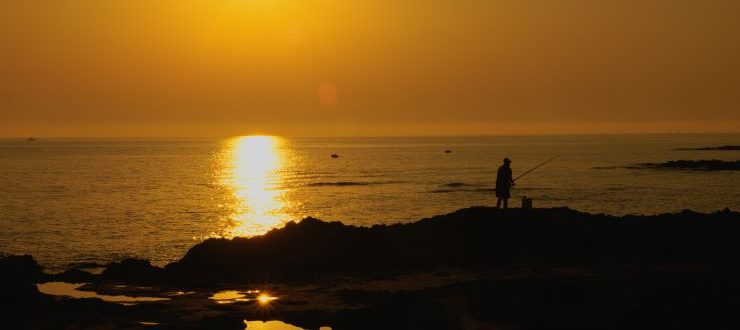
526, 203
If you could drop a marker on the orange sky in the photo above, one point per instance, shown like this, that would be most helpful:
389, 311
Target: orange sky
367, 67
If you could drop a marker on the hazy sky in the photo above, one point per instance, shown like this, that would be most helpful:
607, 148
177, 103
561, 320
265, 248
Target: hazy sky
367, 67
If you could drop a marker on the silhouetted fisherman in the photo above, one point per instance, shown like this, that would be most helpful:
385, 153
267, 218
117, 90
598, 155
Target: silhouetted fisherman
504, 182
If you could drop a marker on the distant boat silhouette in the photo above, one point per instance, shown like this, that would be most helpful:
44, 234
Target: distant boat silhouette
31, 139
448, 151
334, 156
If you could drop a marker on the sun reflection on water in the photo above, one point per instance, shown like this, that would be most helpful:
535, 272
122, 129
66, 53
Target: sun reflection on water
253, 166
265, 298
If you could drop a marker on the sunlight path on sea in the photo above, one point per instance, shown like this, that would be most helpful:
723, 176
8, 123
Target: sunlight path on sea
252, 169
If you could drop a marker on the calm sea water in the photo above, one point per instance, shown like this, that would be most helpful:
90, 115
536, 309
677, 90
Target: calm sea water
92, 201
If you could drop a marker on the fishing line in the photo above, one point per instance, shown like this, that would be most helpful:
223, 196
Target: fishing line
538, 166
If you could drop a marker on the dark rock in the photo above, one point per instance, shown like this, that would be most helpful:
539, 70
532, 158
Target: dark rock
22, 306
400, 310
725, 148
474, 239
18, 278
309, 318
132, 271
20, 268
535, 269
699, 165
634, 300
73, 275
225, 322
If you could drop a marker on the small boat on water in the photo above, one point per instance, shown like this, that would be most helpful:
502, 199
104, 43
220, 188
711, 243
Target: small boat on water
31, 139
448, 151
334, 156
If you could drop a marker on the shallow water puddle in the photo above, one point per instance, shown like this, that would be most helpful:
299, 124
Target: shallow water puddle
146, 323
270, 325
229, 296
71, 290
274, 325
232, 296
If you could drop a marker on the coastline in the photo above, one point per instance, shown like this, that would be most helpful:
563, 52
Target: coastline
476, 268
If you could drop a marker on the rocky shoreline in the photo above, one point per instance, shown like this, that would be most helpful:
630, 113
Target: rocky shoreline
477, 268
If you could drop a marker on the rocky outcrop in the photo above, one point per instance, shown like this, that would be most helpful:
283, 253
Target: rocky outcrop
699, 165
724, 148
475, 238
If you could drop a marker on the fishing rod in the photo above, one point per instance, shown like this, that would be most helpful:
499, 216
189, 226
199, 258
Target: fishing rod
536, 167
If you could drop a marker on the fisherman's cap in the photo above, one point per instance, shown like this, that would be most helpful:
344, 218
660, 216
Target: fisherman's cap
506, 160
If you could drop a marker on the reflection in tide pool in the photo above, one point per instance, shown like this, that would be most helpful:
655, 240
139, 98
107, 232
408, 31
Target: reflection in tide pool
270, 325
232, 296
72, 290
274, 325
229, 296
252, 169
265, 299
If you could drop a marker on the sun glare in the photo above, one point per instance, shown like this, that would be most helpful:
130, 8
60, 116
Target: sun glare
265, 299
255, 163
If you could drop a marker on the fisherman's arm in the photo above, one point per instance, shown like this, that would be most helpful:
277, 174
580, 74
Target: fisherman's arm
511, 178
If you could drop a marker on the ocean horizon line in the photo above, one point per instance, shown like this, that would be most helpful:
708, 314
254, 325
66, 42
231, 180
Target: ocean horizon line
369, 136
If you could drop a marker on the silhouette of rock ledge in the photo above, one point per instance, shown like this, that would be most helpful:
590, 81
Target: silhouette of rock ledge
18, 276
20, 268
74, 275
475, 239
132, 271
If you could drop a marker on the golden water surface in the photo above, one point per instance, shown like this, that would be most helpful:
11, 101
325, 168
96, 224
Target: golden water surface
253, 168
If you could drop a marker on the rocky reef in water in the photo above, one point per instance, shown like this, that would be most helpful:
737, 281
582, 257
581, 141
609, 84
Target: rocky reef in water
485, 269
699, 165
724, 148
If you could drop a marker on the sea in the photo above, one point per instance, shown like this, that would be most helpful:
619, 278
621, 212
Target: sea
87, 202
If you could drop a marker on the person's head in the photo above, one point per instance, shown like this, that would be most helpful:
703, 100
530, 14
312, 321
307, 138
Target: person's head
507, 162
